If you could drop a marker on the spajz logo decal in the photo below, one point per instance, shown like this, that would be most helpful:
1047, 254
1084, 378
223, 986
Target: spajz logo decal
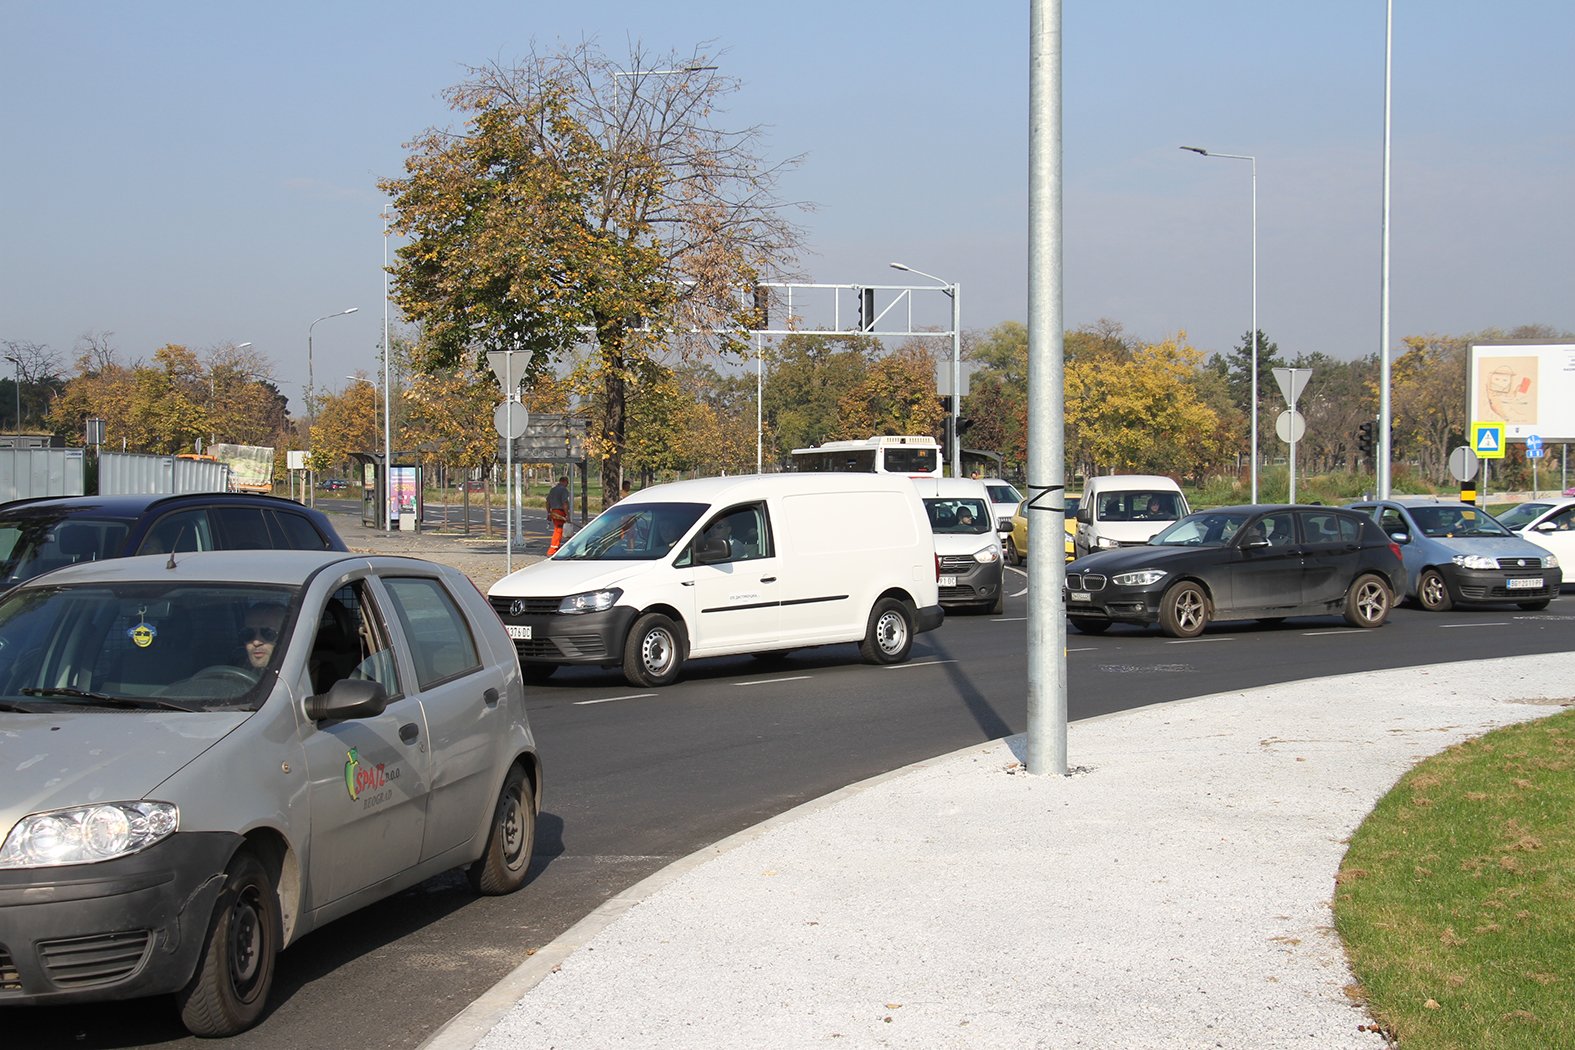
359, 780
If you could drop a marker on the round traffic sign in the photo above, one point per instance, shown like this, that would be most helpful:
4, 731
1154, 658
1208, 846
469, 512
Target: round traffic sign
1290, 425
1463, 463
510, 419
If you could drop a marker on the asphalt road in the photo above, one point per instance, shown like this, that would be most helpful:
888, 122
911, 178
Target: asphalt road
636, 779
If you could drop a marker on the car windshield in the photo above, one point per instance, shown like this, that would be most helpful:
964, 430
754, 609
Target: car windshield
631, 532
969, 517
1523, 515
1003, 493
140, 646
32, 544
1447, 521
1205, 529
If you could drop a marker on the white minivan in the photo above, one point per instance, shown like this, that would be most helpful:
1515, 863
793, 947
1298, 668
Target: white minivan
720, 566
1126, 510
967, 542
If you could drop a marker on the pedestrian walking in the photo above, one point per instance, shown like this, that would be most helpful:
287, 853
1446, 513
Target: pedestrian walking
557, 513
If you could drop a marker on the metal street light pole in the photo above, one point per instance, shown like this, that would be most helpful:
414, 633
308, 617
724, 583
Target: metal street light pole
311, 415
953, 292
1252, 337
388, 390
17, 382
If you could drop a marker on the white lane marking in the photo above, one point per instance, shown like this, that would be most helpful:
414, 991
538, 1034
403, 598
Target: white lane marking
1085, 649
612, 699
1497, 623
1326, 634
1190, 641
926, 663
1008, 619
771, 681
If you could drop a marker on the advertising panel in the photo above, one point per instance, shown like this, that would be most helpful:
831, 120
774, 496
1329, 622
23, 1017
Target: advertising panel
1529, 386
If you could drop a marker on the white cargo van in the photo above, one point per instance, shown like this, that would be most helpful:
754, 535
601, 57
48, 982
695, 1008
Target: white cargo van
719, 566
1126, 510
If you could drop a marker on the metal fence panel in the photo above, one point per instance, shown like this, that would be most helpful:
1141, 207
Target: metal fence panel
123, 473
26, 472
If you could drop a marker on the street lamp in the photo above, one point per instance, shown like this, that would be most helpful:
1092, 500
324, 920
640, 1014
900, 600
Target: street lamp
18, 384
1252, 338
311, 417
954, 293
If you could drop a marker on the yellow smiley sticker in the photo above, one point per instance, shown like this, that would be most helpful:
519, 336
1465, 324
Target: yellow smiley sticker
142, 635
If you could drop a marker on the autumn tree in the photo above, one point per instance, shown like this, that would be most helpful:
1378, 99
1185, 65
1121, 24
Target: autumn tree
584, 201
807, 375
896, 396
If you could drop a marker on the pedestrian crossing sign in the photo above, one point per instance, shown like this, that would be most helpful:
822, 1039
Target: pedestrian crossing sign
1487, 440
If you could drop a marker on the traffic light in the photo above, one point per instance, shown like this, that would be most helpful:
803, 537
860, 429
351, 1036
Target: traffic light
1364, 437
866, 299
762, 307
963, 423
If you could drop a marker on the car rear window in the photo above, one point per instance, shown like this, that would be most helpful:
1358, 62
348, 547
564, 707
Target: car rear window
33, 544
297, 533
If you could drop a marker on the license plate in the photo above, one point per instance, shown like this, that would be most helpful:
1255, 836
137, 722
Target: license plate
947, 581
1524, 583
519, 632
1082, 596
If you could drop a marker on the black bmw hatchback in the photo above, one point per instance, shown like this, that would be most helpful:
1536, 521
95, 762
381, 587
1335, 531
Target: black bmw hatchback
37, 535
1263, 562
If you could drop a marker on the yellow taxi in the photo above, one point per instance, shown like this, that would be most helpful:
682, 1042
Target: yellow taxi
1017, 541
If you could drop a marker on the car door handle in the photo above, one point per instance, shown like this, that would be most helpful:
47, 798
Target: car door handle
768, 579
490, 698
408, 732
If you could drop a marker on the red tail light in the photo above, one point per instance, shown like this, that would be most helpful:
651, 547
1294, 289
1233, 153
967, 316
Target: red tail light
937, 567
1394, 548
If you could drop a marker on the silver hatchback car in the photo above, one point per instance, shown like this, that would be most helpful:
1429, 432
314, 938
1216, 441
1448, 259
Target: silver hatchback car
207, 756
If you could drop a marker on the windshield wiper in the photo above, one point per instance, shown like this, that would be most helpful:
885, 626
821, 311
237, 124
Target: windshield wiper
133, 703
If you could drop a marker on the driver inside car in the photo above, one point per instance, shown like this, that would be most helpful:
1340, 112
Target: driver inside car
261, 635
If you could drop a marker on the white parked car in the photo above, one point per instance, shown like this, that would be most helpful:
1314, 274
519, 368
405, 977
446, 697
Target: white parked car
967, 543
1549, 523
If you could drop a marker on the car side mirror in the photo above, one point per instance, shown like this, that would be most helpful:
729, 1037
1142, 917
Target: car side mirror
348, 698
709, 552
1546, 526
1400, 537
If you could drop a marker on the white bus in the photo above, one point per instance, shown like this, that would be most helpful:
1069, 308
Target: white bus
914, 456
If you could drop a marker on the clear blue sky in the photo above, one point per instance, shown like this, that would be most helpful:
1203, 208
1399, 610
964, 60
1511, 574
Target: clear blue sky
205, 173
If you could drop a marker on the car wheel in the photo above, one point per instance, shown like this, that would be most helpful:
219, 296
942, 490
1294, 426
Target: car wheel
1086, 625
1368, 601
229, 990
889, 636
1433, 592
998, 606
1184, 611
501, 868
1012, 556
537, 672
654, 651
1534, 606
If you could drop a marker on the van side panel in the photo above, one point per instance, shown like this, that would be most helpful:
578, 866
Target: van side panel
844, 549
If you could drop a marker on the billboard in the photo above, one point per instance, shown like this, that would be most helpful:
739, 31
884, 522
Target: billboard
1529, 387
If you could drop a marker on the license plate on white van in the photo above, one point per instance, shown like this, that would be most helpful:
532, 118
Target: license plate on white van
519, 632
947, 581
1523, 583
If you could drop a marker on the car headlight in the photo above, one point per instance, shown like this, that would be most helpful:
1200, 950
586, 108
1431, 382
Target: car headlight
1550, 561
986, 555
87, 834
1105, 541
1475, 561
591, 601
1141, 578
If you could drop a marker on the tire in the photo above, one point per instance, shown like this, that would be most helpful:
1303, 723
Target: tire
1368, 602
1432, 592
1534, 606
1012, 555
1184, 611
502, 867
537, 672
653, 652
229, 990
1088, 625
889, 636
997, 607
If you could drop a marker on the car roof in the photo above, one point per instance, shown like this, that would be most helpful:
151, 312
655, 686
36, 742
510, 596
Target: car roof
289, 568
756, 486
136, 504
1258, 508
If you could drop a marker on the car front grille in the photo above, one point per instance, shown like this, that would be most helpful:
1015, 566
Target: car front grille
1086, 581
504, 606
10, 976
1520, 563
81, 962
1503, 594
569, 646
953, 564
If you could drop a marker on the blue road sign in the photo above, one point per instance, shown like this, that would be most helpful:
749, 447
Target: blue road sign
1533, 447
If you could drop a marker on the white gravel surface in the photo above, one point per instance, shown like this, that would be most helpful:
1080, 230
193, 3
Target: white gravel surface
1173, 892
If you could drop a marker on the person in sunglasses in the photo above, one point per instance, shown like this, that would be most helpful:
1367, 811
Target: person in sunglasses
261, 634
